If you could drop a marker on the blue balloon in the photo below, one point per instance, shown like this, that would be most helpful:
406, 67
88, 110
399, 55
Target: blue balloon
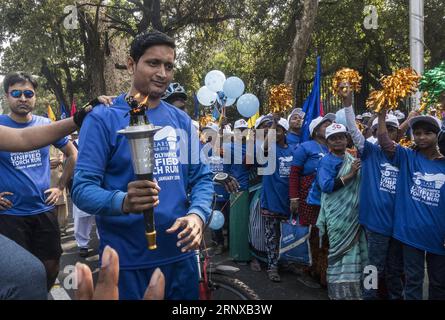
340, 117
247, 105
233, 87
217, 221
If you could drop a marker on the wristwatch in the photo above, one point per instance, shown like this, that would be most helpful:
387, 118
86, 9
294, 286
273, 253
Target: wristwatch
220, 177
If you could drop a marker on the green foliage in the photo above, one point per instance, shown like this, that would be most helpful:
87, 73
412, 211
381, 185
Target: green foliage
248, 38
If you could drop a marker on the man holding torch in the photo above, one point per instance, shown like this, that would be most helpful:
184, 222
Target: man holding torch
104, 182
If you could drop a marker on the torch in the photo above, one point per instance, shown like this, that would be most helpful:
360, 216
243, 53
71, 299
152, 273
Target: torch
140, 134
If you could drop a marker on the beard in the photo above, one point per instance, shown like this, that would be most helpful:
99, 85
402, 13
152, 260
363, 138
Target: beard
22, 109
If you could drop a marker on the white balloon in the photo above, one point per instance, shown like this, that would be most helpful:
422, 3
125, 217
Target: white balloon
206, 97
233, 87
247, 105
230, 102
214, 80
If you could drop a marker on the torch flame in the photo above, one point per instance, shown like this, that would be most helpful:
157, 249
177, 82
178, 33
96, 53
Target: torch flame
144, 102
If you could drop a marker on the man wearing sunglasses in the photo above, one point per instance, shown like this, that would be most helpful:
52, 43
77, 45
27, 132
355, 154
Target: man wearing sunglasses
27, 202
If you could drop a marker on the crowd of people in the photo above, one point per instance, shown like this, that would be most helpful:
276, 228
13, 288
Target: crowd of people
363, 198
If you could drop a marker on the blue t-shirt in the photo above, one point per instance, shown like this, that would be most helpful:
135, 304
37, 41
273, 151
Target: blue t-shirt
293, 139
275, 193
377, 190
104, 152
328, 170
238, 169
26, 174
308, 155
419, 219
216, 164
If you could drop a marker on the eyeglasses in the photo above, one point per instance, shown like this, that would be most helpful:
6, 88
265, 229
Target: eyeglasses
18, 93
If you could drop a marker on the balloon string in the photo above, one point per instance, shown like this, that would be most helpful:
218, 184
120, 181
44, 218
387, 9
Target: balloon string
223, 109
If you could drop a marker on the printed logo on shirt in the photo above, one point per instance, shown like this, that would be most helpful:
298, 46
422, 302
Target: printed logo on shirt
427, 187
388, 179
166, 157
285, 164
216, 164
26, 160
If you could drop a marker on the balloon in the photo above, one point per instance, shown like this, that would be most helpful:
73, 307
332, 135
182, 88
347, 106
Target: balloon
217, 221
248, 104
340, 117
206, 97
222, 96
233, 87
230, 102
214, 80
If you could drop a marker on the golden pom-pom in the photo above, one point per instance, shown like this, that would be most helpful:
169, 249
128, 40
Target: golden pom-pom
205, 120
376, 100
396, 87
406, 142
280, 98
346, 75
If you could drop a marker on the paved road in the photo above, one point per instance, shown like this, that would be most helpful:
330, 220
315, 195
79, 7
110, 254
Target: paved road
289, 289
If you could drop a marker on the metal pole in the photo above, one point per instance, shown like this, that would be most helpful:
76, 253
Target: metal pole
416, 43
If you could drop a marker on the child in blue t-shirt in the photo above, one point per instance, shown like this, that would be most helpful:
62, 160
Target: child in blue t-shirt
419, 220
275, 196
376, 207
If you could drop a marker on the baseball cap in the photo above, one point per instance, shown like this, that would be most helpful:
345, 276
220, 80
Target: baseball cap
334, 129
298, 111
367, 115
241, 124
283, 123
426, 119
390, 120
318, 121
211, 125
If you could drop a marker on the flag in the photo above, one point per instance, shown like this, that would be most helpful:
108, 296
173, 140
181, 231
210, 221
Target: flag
321, 109
63, 113
196, 107
51, 114
251, 121
312, 106
73, 107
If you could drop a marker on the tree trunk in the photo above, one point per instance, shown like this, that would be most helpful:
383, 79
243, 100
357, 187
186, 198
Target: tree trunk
54, 82
94, 54
304, 28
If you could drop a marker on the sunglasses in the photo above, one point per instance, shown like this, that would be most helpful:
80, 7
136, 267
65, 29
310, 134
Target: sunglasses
18, 93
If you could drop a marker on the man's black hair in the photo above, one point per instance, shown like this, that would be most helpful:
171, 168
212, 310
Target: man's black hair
18, 77
426, 126
148, 39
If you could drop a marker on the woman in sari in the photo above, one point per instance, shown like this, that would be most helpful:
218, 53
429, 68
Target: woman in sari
339, 180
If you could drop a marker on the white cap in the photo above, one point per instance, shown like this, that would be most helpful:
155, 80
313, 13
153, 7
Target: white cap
240, 124
258, 121
227, 130
367, 114
359, 117
334, 129
318, 121
298, 111
211, 125
390, 120
262, 119
284, 123
399, 115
